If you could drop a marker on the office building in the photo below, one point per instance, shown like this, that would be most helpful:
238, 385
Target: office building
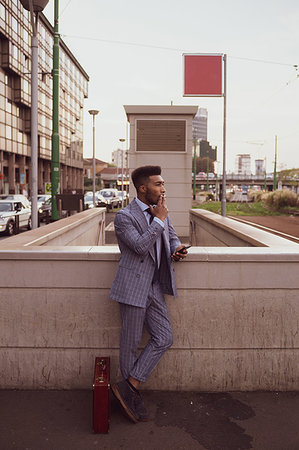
243, 164
15, 103
200, 125
119, 158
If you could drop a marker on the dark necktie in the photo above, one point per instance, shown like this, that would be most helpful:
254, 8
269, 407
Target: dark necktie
148, 210
156, 274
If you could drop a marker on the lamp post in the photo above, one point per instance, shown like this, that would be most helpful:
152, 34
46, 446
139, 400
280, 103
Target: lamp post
93, 113
35, 7
122, 174
55, 143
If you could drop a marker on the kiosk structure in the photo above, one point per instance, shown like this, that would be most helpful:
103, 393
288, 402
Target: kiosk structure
162, 135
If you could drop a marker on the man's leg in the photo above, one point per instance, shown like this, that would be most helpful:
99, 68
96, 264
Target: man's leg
158, 325
135, 369
132, 318
125, 391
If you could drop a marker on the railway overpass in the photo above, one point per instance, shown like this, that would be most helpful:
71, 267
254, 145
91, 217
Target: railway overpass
247, 180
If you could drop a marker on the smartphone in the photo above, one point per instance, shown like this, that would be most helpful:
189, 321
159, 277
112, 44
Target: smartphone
184, 248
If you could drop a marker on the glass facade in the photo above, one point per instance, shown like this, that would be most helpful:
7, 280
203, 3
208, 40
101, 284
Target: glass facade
15, 103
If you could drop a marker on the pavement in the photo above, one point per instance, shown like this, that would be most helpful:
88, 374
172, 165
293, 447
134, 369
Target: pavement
62, 420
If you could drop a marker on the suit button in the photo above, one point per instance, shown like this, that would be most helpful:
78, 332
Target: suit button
138, 275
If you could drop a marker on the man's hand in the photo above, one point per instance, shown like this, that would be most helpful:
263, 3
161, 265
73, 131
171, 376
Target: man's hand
176, 256
161, 210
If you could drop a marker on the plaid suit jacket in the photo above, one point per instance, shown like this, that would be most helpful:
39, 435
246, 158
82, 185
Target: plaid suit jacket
136, 267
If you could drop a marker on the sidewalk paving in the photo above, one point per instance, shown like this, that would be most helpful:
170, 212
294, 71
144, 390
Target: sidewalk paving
62, 420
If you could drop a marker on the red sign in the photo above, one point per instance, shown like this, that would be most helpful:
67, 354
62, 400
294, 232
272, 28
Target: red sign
202, 75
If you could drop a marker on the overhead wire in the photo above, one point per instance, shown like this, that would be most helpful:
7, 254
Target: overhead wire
160, 47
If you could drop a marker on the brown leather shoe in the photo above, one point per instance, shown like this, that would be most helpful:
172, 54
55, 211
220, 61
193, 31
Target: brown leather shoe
127, 399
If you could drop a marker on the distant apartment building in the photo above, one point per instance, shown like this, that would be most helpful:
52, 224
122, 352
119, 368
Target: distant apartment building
243, 164
200, 125
119, 158
259, 167
15, 104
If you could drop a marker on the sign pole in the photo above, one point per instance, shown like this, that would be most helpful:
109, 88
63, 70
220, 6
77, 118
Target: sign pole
223, 198
194, 169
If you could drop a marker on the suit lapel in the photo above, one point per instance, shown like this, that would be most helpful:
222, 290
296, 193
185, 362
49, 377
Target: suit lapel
141, 222
138, 216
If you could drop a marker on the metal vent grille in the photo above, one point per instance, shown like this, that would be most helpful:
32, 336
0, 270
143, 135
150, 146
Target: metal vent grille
161, 136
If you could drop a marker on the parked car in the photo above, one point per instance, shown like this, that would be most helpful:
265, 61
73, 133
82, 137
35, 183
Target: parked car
123, 195
111, 197
45, 210
42, 198
14, 215
99, 199
17, 198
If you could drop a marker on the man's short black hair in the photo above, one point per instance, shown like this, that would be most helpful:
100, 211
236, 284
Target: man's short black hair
141, 174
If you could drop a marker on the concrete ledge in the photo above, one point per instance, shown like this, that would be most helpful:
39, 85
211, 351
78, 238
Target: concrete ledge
85, 228
209, 229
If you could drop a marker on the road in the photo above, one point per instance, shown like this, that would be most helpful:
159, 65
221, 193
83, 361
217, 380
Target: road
238, 197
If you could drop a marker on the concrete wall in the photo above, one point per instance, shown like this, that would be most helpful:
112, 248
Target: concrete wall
84, 228
235, 321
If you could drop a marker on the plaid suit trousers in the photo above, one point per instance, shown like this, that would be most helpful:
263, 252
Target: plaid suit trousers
155, 317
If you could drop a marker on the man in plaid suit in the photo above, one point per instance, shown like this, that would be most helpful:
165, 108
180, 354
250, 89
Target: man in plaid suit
148, 245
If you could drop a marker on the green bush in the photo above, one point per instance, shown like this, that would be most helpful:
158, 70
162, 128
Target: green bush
280, 199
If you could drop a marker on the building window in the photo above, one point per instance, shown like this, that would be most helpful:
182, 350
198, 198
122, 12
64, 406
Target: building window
2, 11
15, 52
8, 106
8, 132
26, 37
14, 24
26, 86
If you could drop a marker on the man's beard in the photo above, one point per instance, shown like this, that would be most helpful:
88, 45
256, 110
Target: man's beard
149, 198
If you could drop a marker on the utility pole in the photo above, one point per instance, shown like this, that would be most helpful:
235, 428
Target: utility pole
93, 113
223, 199
275, 163
55, 166
208, 170
265, 176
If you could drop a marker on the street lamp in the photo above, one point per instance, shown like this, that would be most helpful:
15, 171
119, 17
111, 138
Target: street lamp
122, 174
35, 7
93, 113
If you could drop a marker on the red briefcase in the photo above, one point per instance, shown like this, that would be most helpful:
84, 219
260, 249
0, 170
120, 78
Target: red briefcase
101, 387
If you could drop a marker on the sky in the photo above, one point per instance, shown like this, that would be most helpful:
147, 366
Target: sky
132, 51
